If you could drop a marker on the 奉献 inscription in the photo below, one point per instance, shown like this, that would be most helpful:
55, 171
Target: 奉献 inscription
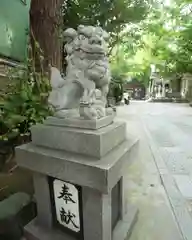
66, 197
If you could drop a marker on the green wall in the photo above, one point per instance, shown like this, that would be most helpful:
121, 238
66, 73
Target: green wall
14, 26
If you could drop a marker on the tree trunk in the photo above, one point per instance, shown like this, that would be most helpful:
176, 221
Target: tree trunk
45, 24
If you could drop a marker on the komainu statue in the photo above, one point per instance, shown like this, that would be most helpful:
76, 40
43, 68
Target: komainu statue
87, 79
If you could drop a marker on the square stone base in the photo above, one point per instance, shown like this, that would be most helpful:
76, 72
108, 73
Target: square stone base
122, 230
93, 143
99, 175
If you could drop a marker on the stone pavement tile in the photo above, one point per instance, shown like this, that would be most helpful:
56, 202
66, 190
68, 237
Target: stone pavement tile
184, 184
176, 160
160, 164
184, 125
144, 189
179, 206
173, 144
165, 132
155, 222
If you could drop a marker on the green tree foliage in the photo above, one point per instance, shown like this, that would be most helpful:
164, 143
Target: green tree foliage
163, 39
116, 88
112, 15
24, 103
118, 60
183, 56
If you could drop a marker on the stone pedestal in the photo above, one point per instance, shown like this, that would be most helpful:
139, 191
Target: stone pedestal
92, 156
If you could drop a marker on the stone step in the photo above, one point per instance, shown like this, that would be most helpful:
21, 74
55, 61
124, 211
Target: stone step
15, 212
12, 205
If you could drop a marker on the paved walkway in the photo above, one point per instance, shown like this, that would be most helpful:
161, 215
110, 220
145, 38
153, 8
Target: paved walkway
159, 181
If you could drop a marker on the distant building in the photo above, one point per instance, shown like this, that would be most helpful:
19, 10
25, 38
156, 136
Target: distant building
159, 87
135, 88
186, 86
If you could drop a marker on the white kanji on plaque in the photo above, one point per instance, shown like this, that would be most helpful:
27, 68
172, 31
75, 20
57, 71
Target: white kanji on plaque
67, 204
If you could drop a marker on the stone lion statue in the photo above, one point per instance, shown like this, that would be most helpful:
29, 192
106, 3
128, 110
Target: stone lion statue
87, 75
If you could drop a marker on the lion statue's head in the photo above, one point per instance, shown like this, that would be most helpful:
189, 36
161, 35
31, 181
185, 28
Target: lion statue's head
86, 50
87, 40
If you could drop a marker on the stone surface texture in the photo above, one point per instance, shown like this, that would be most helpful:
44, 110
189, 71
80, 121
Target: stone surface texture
101, 175
155, 181
81, 141
79, 122
87, 77
158, 181
173, 145
94, 159
123, 230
